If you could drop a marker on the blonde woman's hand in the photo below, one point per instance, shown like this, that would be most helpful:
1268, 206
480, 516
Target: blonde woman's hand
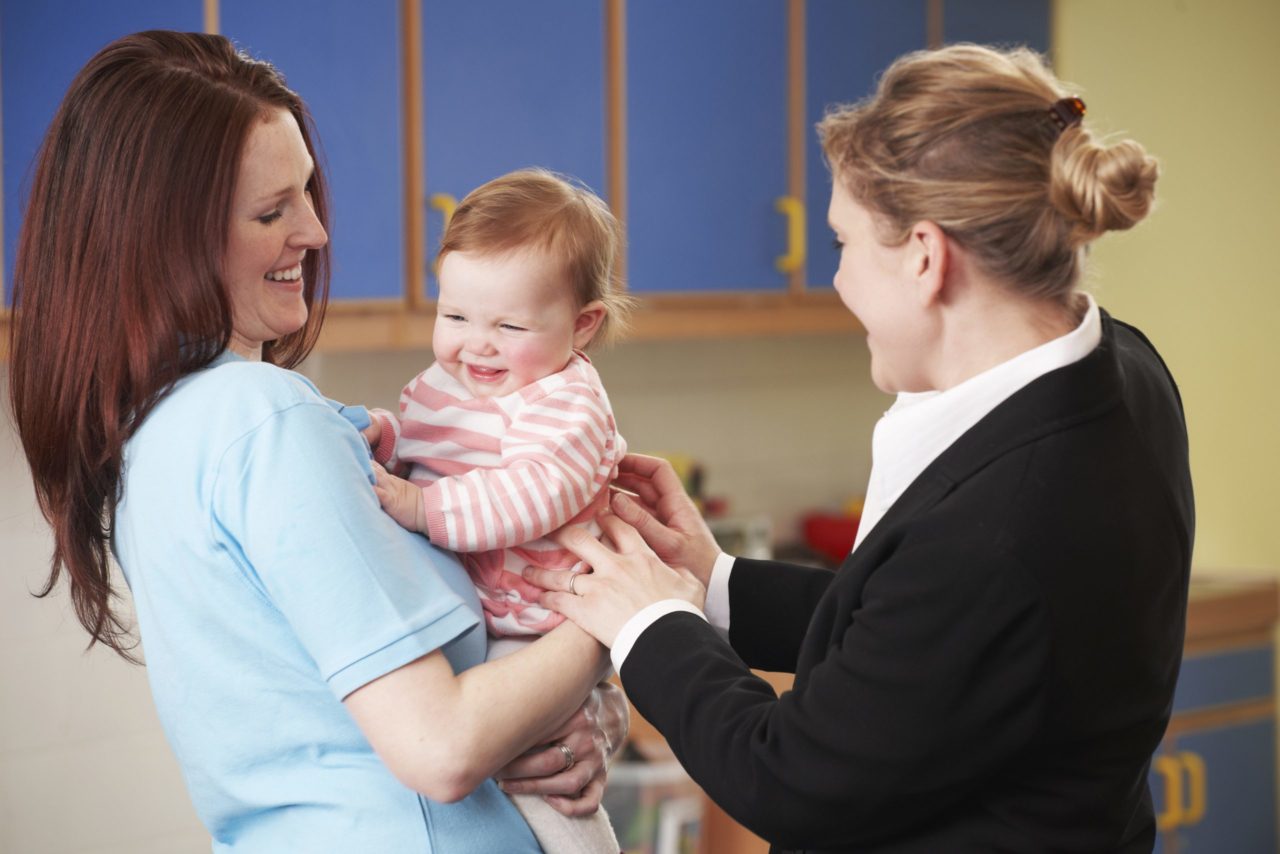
664, 515
626, 577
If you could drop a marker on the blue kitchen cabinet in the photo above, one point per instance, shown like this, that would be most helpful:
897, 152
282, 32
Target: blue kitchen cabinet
998, 22
848, 43
1213, 780
509, 84
344, 60
1226, 799
706, 111
42, 46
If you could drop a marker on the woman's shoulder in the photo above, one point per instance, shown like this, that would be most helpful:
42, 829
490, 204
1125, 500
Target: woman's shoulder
231, 397
251, 386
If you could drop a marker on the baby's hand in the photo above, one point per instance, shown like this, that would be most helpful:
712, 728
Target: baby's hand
373, 433
400, 499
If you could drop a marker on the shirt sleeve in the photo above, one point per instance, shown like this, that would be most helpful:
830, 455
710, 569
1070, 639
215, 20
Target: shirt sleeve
717, 604
293, 502
389, 435
641, 620
358, 416
557, 455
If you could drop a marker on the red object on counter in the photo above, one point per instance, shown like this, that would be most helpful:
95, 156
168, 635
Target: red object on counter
830, 535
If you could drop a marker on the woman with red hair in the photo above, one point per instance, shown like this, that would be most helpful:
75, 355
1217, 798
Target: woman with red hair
317, 669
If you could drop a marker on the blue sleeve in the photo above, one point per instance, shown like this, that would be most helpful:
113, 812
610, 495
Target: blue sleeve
293, 501
357, 415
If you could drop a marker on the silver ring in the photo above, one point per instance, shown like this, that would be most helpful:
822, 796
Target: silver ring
572, 579
569, 758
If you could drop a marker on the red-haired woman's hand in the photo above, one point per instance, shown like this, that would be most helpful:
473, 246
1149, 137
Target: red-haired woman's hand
594, 733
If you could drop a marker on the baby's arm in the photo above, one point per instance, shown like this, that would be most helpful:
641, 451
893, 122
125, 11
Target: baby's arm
557, 455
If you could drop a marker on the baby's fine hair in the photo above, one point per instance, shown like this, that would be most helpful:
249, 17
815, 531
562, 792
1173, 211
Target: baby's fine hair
540, 210
965, 137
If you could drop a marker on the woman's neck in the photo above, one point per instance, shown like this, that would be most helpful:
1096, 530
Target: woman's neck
994, 326
244, 348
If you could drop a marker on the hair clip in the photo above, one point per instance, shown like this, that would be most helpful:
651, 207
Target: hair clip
1067, 112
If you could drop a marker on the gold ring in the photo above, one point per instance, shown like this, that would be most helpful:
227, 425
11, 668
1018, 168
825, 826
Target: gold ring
569, 758
572, 579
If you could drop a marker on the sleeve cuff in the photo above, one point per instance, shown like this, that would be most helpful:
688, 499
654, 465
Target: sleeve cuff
454, 623
387, 436
717, 605
641, 620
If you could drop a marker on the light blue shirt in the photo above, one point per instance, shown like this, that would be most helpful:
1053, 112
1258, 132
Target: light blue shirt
268, 585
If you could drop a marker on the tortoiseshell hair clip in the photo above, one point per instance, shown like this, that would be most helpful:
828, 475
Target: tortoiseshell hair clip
1067, 112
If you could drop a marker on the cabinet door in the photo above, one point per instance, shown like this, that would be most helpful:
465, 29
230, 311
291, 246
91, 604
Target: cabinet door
706, 144
509, 84
997, 22
1228, 793
42, 46
848, 43
344, 60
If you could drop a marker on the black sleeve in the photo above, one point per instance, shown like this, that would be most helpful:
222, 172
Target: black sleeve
936, 679
770, 606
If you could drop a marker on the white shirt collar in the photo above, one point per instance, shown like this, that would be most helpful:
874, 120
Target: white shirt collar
920, 426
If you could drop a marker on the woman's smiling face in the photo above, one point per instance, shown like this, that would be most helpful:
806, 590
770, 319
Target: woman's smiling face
874, 284
272, 226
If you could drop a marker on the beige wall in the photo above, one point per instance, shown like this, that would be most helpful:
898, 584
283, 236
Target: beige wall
83, 764
1195, 81
781, 423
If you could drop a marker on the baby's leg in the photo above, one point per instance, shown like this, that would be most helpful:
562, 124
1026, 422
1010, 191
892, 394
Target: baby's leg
557, 833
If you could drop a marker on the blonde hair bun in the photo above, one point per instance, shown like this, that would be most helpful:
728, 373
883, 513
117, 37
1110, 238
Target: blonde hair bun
971, 138
1101, 188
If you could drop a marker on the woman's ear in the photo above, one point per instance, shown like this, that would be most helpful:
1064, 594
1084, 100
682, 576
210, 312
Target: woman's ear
928, 258
587, 323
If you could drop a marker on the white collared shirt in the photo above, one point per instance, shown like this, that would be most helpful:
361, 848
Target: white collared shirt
907, 439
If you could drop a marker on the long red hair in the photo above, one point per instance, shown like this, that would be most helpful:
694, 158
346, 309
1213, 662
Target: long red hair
117, 281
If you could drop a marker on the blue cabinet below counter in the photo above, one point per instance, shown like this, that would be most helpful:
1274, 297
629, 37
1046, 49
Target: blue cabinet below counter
1213, 780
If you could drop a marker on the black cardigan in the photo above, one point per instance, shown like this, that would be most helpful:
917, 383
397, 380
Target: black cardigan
994, 666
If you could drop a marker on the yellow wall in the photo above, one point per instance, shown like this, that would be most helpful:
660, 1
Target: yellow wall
1195, 81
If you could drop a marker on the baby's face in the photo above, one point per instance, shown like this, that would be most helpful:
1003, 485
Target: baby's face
503, 321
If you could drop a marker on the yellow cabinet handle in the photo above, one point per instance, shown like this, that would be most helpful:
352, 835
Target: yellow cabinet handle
1182, 807
1170, 769
446, 204
1197, 796
792, 208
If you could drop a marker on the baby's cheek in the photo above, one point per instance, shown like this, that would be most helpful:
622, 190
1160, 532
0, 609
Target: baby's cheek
443, 345
533, 360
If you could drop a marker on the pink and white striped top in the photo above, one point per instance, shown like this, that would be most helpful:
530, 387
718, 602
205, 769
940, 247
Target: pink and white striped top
499, 474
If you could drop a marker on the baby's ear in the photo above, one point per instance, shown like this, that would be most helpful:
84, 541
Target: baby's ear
587, 324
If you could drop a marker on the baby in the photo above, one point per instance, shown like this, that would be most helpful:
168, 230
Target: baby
509, 435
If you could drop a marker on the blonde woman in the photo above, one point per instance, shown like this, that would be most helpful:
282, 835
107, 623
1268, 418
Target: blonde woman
993, 665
